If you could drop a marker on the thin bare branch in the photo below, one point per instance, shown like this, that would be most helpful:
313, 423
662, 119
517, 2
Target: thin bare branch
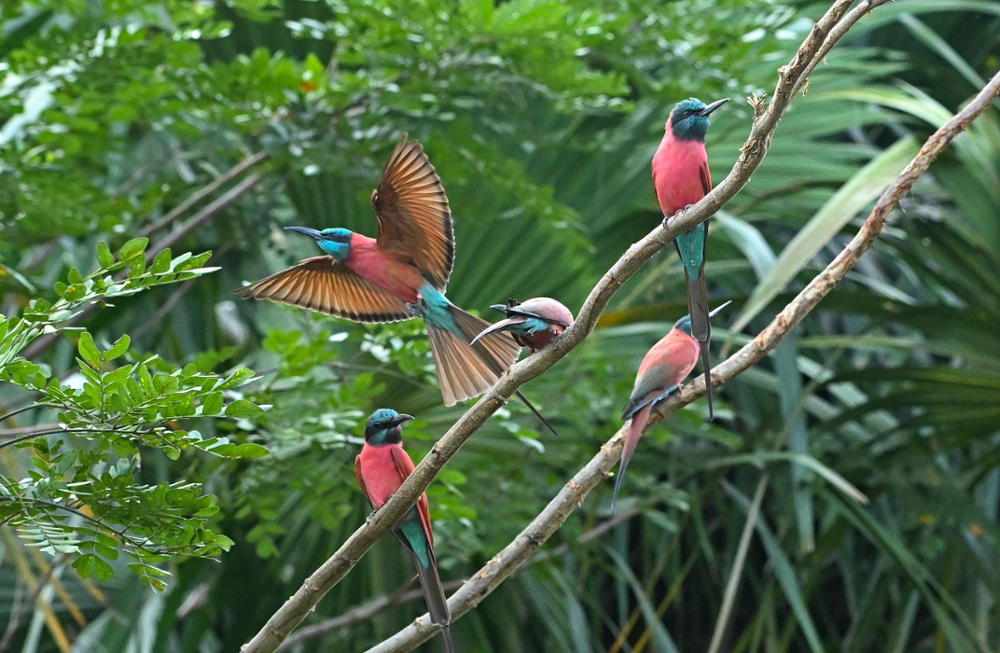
363, 612
44, 343
203, 192
573, 493
217, 206
38, 429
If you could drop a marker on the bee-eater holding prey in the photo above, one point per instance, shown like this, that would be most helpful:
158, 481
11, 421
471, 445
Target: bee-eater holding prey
534, 322
398, 275
661, 371
681, 178
381, 468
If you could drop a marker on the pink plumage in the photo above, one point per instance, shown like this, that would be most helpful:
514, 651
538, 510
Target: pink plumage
663, 368
680, 173
401, 279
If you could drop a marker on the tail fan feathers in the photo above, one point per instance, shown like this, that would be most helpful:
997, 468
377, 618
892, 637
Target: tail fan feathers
497, 349
462, 373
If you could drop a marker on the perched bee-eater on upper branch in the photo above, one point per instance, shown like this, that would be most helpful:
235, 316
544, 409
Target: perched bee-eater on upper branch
534, 322
681, 178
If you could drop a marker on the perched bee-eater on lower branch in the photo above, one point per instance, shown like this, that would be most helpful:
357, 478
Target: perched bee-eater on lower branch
381, 468
400, 274
661, 371
681, 178
534, 322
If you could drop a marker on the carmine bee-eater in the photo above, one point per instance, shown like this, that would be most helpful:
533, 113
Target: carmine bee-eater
534, 322
661, 371
381, 468
681, 178
400, 274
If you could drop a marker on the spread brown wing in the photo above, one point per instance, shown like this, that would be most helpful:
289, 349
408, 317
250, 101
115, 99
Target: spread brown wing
414, 221
405, 467
706, 177
323, 285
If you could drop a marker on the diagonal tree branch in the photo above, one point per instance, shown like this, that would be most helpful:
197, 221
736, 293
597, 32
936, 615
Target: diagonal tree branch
360, 613
507, 561
825, 33
204, 192
368, 610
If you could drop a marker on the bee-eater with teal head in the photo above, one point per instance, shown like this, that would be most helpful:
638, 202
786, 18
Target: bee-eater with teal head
661, 371
681, 178
381, 468
400, 274
534, 322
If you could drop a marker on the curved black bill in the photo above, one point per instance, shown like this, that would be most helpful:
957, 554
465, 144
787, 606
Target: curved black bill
712, 107
312, 233
400, 418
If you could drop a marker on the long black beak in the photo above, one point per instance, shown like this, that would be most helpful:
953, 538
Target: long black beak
500, 307
312, 233
712, 107
400, 418
712, 314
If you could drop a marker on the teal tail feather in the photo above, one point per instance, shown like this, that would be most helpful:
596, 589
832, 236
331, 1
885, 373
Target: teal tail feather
412, 536
691, 246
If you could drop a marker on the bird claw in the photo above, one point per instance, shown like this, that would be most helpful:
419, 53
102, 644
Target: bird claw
418, 308
666, 219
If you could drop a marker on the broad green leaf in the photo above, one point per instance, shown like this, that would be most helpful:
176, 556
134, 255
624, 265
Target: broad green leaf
212, 404
793, 411
104, 256
243, 408
132, 249
249, 450
89, 351
119, 348
866, 185
161, 262
84, 565
102, 570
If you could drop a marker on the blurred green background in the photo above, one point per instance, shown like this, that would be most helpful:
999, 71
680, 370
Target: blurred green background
541, 117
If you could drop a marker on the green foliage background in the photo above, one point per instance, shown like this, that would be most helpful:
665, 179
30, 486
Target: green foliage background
541, 118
